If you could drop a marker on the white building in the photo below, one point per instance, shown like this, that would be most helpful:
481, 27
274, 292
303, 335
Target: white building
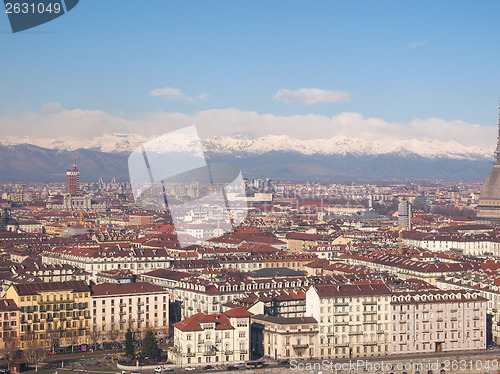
437, 321
118, 307
97, 258
214, 338
354, 320
285, 338
486, 285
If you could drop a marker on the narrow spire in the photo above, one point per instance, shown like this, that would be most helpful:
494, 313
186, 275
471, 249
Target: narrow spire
497, 150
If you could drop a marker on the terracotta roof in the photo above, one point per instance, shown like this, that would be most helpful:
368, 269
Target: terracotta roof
237, 313
36, 288
8, 305
285, 320
352, 290
125, 288
194, 322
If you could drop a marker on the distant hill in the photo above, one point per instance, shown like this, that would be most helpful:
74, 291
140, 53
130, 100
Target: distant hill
23, 162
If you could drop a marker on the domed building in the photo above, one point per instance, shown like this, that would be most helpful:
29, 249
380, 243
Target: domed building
489, 201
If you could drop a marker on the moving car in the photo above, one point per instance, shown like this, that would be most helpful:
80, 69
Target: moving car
189, 368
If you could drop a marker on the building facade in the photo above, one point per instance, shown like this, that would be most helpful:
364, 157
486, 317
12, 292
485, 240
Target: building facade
285, 338
116, 307
9, 325
354, 320
438, 321
52, 314
212, 338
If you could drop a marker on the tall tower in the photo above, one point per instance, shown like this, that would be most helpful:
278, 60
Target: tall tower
489, 201
404, 214
73, 181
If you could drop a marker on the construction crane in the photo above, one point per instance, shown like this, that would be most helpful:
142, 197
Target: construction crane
400, 230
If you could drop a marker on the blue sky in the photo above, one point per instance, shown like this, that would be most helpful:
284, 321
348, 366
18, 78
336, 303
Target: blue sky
397, 61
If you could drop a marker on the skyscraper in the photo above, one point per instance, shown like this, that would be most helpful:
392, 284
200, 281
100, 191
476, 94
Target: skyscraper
73, 181
404, 214
489, 201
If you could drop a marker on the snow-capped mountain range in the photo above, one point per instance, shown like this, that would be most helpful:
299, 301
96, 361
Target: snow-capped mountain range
225, 145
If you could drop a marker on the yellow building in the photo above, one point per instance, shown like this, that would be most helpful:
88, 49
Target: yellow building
53, 314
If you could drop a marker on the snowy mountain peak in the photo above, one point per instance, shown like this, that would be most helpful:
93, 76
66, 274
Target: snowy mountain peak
243, 144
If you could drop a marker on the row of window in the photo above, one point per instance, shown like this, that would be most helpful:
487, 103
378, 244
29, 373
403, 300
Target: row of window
54, 297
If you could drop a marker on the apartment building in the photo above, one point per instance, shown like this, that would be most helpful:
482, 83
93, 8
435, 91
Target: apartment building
487, 285
300, 242
285, 338
116, 307
405, 267
52, 314
9, 324
212, 338
97, 258
438, 321
353, 319
201, 295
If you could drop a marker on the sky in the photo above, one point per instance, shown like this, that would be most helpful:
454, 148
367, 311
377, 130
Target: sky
308, 69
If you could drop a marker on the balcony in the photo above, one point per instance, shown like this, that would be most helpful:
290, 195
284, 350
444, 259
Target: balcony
140, 311
218, 340
243, 351
122, 305
300, 346
210, 353
356, 333
191, 354
341, 304
122, 313
140, 303
228, 352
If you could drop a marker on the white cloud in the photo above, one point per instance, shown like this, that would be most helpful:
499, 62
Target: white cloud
203, 96
51, 108
170, 93
422, 43
232, 121
311, 96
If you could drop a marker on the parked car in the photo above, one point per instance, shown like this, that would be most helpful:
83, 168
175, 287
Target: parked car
158, 369
491, 347
231, 367
167, 369
208, 367
189, 368
283, 362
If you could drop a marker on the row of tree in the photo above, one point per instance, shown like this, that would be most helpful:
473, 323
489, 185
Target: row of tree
149, 345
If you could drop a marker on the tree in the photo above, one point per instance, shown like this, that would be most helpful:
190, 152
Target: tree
113, 334
35, 351
11, 349
150, 346
129, 344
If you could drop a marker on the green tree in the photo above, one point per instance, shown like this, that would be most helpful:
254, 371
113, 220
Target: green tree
129, 344
150, 346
